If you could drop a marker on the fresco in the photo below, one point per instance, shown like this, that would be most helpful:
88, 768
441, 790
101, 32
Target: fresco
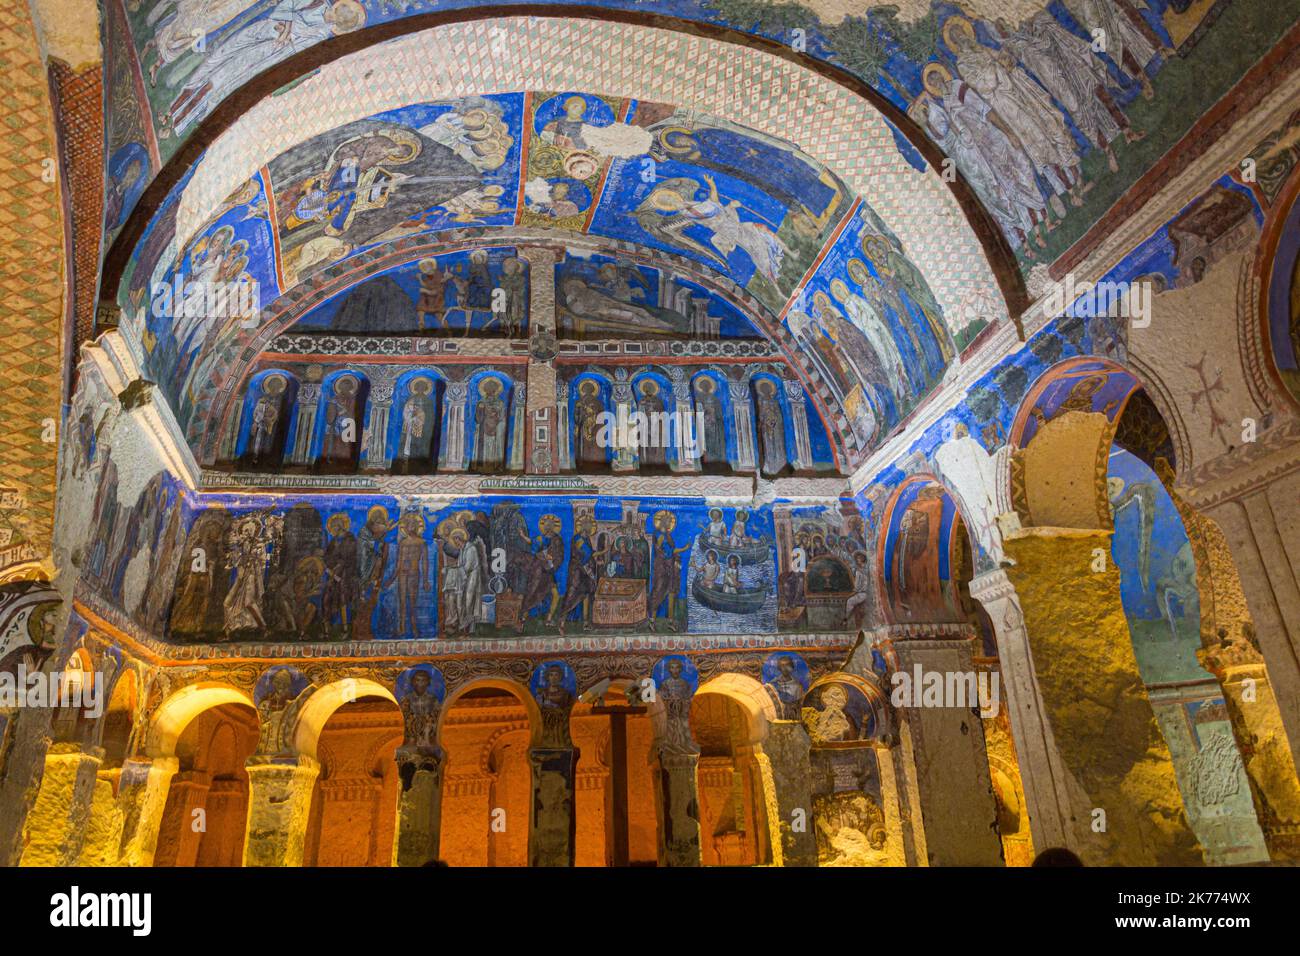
420, 692
755, 209
785, 678
824, 578
918, 562
1284, 304
1048, 130
838, 712
418, 168
1157, 572
449, 294
872, 326
191, 306
347, 568
605, 297
745, 418
669, 183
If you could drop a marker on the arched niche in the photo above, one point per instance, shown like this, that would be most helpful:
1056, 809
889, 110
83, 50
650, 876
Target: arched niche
775, 449
342, 422
591, 404
653, 397
489, 421
267, 419
713, 420
417, 424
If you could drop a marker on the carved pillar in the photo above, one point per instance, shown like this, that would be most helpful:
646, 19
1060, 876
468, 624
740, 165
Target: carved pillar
1095, 701
453, 456
743, 422
553, 824
103, 836
787, 749
179, 836
891, 802
376, 437
624, 452
953, 788
1047, 796
679, 809
1261, 526
688, 435
419, 807
305, 430
519, 428
541, 437
279, 802
141, 798
56, 825
799, 417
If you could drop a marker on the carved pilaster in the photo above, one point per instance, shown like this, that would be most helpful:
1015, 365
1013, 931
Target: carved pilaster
799, 418
743, 422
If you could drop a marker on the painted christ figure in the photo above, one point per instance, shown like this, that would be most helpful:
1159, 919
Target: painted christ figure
416, 447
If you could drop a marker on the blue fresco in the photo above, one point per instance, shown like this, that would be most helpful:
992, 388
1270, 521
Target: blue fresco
602, 296
352, 568
1157, 573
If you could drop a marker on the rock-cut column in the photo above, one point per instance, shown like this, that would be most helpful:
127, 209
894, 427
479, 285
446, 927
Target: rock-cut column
279, 804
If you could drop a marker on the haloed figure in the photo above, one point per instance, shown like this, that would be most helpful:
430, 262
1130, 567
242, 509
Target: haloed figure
411, 572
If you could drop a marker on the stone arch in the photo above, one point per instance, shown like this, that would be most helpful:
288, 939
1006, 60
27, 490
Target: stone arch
176, 712
1277, 270
320, 703
749, 694
798, 67
194, 769
504, 684
1061, 437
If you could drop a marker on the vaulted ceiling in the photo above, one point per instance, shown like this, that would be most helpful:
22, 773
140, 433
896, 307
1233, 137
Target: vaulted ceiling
333, 154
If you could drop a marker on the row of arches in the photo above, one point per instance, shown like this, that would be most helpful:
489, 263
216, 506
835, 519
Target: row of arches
699, 421
216, 776
421, 423
1079, 513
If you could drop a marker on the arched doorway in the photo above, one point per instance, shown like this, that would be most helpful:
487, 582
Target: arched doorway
354, 801
204, 820
734, 825
1107, 570
486, 733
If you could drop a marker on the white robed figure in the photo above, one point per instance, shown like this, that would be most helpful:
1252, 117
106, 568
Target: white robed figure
1022, 105
867, 317
998, 170
671, 208
1125, 42
190, 21
291, 26
1065, 64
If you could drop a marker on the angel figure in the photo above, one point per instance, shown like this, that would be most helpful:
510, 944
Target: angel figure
671, 208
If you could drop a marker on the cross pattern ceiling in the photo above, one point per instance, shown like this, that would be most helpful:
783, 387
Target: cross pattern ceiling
1050, 110
363, 171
